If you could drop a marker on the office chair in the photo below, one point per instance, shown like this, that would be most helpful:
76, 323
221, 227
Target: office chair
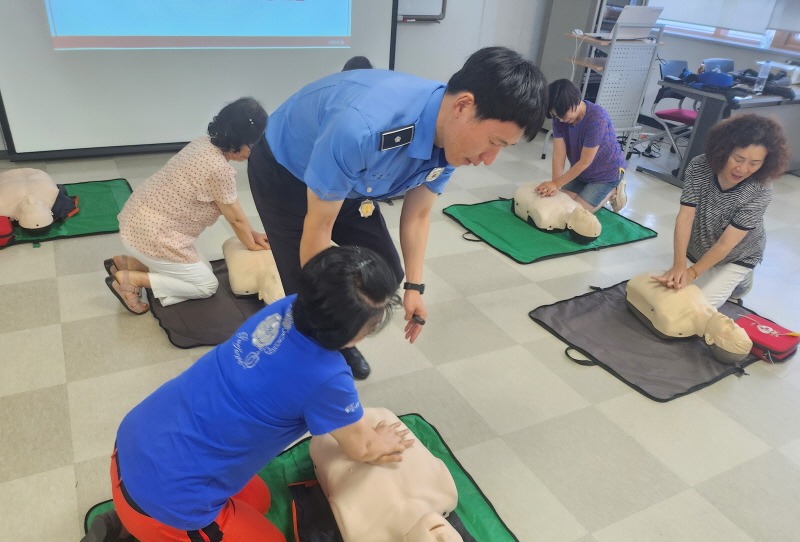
725, 65
677, 122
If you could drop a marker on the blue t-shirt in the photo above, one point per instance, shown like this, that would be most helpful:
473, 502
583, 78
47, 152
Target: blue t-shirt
200, 437
593, 130
344, 135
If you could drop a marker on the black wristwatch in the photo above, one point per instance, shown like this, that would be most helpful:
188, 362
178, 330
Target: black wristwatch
413, 286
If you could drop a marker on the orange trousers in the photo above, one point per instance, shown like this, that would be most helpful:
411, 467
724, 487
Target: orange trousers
240, 520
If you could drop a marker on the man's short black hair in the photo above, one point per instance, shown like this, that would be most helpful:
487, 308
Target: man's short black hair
342, 291
357, 63
506, 87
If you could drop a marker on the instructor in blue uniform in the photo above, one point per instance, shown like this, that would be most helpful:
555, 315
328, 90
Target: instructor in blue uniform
342, 143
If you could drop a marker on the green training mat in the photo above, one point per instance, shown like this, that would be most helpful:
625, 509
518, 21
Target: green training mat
99, 203
294, 465
495, 223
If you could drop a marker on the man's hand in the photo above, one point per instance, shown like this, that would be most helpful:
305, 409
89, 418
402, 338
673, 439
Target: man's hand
415, 312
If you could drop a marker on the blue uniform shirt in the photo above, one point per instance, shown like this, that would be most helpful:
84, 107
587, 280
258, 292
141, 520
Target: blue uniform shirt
200, 437
331, 133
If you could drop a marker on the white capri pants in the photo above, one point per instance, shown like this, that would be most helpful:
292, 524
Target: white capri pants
724, 281
175, 282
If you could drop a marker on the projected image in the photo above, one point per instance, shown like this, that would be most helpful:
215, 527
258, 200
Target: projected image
199, 24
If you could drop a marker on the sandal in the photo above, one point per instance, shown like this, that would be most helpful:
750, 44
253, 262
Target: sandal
128, 295
111, 267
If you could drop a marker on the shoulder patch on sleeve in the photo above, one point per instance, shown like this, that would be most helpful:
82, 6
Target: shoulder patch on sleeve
397, 137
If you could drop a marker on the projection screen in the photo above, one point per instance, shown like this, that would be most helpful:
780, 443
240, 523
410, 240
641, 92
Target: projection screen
93, 77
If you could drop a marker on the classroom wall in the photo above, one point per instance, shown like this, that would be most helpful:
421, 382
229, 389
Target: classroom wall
436, 50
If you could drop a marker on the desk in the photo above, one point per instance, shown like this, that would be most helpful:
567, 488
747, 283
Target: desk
713, 108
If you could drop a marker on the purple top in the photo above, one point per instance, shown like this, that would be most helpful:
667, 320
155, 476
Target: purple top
593, 130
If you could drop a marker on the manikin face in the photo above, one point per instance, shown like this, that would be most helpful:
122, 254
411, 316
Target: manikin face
468, 141
741, 164
727, 335
34, 214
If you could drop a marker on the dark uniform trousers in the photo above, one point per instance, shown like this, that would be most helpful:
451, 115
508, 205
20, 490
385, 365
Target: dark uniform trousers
281, 201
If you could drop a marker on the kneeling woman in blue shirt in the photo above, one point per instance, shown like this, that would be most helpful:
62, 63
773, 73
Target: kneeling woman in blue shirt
186, 457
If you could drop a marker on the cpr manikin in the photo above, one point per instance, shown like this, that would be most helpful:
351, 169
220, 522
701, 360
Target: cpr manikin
685, 312
393, 502
27, 197
556, 213
252, 271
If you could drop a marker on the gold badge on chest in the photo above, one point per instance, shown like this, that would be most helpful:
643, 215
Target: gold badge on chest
366, 208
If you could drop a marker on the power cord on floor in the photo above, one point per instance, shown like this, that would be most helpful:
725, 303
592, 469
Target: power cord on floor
652, 150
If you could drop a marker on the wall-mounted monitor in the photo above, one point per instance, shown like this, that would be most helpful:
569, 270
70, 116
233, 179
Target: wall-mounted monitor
420, 10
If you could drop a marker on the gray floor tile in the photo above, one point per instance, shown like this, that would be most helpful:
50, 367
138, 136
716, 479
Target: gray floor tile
42, 507
525, 504
104, 345
429, 394
599, 472
32, 359
29, 304
456, 329
688, 436
767, 407
85, 254
758, 497
687, 517
511, 390
474, 273
35, 434
25, 262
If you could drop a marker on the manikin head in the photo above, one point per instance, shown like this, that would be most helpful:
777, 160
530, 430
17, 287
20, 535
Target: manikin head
35, 215
583, 226
728, 342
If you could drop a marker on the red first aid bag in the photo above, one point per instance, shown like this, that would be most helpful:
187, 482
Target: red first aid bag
771, 342
6, 231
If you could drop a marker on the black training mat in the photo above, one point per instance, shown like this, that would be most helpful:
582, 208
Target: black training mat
602, 328
205, 322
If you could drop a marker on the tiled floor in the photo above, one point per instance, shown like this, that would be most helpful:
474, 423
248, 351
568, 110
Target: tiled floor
564, 452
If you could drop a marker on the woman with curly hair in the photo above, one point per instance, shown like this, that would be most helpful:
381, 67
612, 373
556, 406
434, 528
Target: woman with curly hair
726, 191
163, 218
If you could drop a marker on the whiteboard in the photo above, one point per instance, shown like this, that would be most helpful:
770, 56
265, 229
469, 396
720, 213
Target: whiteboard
430, 10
